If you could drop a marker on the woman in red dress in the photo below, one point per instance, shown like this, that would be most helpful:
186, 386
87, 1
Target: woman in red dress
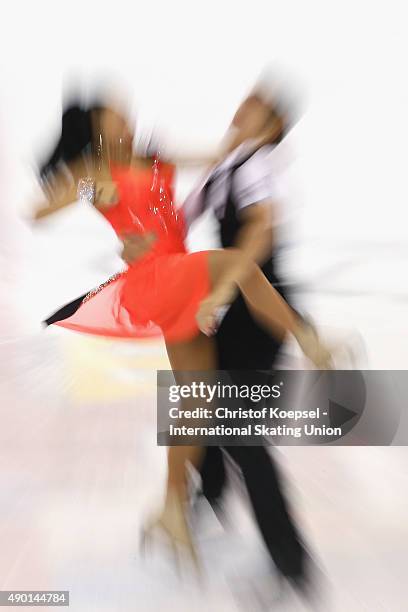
168, 290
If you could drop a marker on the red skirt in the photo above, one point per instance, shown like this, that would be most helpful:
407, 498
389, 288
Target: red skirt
159, 295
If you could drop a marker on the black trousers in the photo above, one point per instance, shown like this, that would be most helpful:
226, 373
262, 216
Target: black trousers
243, 345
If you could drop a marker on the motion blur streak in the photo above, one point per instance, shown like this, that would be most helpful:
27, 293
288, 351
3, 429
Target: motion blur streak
80, 469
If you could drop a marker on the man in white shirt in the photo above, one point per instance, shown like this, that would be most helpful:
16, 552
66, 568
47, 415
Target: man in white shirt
242, 192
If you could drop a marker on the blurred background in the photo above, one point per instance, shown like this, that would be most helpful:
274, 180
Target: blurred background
78, 422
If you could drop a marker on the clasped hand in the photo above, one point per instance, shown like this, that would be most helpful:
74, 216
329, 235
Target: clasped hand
136, 246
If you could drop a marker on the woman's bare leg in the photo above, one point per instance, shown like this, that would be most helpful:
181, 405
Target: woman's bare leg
195, 355
198, 354
230, 271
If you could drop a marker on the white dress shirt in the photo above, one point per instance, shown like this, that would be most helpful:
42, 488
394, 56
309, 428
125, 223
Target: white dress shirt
254, 183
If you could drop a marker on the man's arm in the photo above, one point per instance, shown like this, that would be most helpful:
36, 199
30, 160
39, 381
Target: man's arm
254, 242
255, 239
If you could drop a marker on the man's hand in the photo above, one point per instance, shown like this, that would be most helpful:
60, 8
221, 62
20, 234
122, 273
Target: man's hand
136, 245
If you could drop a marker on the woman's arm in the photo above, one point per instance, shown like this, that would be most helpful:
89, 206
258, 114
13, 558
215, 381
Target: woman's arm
193, 160
64, 188
197, 158
58, 198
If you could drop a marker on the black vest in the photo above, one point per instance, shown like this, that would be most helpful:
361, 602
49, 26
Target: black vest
230, 224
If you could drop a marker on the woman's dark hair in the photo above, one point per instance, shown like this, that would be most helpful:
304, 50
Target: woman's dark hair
76, 138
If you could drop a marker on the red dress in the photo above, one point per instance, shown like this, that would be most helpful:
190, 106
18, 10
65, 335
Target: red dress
159, 293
